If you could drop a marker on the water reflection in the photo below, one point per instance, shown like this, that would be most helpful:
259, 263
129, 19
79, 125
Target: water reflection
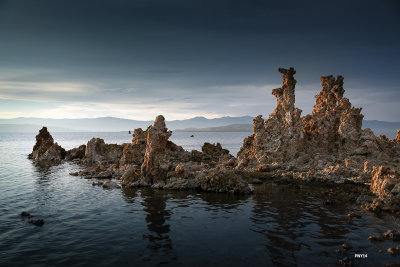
43, 183
226, 202
157, 221
297, 221
86, 225
130, 194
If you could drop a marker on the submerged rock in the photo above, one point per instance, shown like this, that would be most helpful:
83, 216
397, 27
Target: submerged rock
39, 222
26, 214
375, 238
346, 246
346, 262
394, 251
392, 235
110, 185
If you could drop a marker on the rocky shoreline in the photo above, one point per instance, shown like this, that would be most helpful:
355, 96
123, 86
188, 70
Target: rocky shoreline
327, 146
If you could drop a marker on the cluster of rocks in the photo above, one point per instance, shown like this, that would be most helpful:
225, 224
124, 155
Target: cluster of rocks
152, 160
327, 145
393, 235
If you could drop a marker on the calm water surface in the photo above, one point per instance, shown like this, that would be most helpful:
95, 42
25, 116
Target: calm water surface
86, 225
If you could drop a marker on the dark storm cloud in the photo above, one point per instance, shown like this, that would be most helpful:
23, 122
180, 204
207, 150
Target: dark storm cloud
125, 50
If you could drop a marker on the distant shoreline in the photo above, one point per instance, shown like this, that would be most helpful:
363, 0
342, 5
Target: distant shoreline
378, 127
228, 128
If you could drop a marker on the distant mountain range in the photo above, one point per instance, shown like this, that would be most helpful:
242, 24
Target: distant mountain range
110, 124
196, 124
378, 127
227, 128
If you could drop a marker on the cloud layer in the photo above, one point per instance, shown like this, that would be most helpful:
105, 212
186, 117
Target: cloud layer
136, 59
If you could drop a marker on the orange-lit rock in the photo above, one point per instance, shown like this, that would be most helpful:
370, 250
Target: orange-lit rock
326, 145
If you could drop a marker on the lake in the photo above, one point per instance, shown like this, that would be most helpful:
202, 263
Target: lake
282, 225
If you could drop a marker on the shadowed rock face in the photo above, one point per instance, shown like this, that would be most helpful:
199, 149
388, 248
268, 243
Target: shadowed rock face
98, 152
156, 162
213, 150
76, 153
45, 151
133, 153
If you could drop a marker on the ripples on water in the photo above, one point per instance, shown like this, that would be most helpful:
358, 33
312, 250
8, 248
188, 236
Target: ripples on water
86, 225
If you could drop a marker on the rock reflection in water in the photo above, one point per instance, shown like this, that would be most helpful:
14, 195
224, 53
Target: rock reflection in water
88, 225
297, 225
157, 217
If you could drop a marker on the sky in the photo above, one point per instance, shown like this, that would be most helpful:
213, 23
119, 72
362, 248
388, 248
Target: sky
140, 58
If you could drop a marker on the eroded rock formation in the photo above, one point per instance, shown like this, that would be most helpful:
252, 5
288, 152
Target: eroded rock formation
160, 152
45, 151
385, 184
327, 145
166, 165
76, 153
99, 152
280, 138
150, 160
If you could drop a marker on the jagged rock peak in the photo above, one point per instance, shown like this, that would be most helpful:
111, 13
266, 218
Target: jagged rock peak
288, 74
331, 95
155, 161
285, 94
44, 137
333, 86
159, 123
45, 150
285, 115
